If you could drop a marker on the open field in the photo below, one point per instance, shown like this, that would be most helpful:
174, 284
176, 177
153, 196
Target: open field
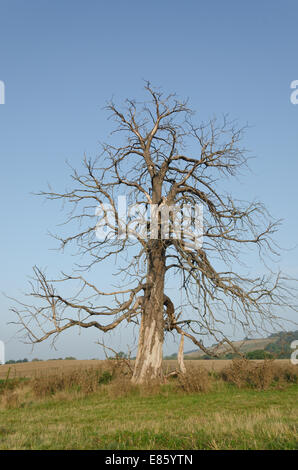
89, 408
222, 419
32, 369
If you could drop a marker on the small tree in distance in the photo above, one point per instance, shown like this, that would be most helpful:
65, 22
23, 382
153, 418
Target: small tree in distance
153, 168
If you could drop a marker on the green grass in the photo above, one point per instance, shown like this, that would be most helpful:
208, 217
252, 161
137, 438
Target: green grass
226, 418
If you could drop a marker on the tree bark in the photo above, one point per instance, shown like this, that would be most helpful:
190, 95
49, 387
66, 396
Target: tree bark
148, 365
181, 364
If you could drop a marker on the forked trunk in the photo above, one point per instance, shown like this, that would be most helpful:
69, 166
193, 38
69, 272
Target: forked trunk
148, 365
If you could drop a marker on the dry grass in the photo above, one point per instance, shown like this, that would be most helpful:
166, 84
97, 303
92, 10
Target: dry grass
15, 394
80, 380
214, 365
260, 375
113, 379
46, 368
196, 379
42, 368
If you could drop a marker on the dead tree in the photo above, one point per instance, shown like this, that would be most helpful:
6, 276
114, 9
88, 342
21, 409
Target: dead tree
163, 161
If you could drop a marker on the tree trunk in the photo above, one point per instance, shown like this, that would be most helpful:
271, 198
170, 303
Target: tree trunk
148, 365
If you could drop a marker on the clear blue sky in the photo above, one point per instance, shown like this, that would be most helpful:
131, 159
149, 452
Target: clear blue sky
61, 61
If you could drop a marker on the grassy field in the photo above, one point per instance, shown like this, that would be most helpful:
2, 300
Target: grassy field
116, 415
33, 369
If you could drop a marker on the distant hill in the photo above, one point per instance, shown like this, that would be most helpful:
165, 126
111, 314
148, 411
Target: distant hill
276, 345
244, 346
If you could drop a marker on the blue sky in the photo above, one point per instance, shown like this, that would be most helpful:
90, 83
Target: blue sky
62, 60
